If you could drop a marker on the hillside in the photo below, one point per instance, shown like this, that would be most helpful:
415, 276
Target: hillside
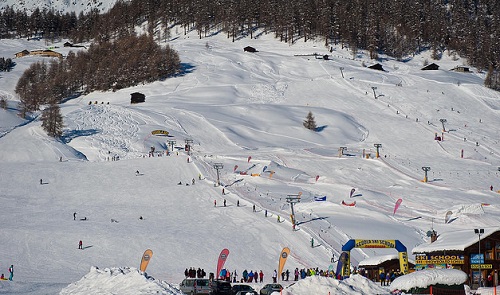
245, 111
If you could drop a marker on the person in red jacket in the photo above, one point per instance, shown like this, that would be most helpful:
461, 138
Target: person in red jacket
261, 276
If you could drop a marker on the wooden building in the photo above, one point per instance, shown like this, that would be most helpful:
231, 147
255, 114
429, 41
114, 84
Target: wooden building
376, 265
137, 97
22, 53
377, 67
41, 52
431, 67
461, 69
249, 49
477, 254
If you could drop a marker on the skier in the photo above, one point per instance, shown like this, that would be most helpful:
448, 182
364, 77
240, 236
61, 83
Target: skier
238, 203
224, 202
215, 203
41, 181
312, 242
223, 193
199, 176
192, 181
278, 219
11, 271
491, 187
2, 277
137, 172
74, 216
265, 213
80, 245
253, 207
275, 276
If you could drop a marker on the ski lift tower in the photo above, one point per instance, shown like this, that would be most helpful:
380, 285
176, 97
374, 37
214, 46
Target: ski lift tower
292, 199
218, 166
377, 146
189, 143
426, 169
171, 143
442, 122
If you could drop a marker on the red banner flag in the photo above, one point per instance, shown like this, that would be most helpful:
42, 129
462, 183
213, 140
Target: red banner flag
145, 259
398, 202
222, 259
249, 158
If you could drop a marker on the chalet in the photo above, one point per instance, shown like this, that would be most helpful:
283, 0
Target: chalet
249, 49
137, 97
22, 53
377, 67
431, 67
46, 53
475, 253
461, 69
376, 265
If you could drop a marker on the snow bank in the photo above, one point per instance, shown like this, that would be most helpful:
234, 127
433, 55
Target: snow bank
116, 280
427, 277
356, 284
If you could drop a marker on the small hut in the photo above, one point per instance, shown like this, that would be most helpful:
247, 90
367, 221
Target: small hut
461, 69
249, 49
22, 53
431, 67
137, 97
377, 67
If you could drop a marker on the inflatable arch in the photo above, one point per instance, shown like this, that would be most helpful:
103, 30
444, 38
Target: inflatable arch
403, 254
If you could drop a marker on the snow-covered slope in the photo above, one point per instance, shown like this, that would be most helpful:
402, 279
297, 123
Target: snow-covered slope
245, 111
62, 6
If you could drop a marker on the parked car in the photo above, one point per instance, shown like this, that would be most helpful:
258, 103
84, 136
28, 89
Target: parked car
221, 288
202, 286
253, 292
241, 287
270, 288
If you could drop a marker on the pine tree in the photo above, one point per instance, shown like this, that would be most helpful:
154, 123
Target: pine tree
310, 123
52, 121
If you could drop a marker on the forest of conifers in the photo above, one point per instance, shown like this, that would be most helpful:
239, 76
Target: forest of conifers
398, 28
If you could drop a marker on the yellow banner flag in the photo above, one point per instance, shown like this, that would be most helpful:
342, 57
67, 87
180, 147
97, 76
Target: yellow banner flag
283, 256
145, 259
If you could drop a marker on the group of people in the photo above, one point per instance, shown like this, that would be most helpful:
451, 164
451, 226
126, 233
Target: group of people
387, 278
11, 273
195, 273
258, 276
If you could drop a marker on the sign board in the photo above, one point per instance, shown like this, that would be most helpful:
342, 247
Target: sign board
439, 259
476, 258
483, 266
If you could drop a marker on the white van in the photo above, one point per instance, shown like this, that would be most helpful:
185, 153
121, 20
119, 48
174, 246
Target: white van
195, 286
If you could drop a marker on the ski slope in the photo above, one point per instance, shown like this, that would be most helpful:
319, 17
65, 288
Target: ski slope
234, 105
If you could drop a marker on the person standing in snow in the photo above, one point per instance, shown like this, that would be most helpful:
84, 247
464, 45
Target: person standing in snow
41, 181
74, 216
253, 207
224, 202
275, 276
261, 276
80, 245
238, 203
215, 203
11, 271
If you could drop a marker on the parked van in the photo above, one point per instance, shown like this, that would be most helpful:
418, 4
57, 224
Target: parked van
195, 286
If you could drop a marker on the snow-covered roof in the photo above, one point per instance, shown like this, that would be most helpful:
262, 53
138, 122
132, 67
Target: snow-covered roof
376, 260
454, 240
427, 277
